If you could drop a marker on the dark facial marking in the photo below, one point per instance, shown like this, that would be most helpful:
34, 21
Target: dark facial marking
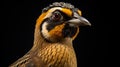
69, 31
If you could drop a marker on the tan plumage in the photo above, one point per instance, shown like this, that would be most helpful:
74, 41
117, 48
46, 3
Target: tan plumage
55, 30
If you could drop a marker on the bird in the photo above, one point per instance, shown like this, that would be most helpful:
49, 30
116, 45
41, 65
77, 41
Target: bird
55, 29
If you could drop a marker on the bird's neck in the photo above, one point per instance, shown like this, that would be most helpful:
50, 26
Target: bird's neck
40, 42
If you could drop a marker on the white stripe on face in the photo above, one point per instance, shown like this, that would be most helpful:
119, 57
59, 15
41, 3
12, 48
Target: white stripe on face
44, 30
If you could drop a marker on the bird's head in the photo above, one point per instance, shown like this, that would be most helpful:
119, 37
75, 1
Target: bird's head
59, 21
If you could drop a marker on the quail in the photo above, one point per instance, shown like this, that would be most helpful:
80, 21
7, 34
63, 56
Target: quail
55, 29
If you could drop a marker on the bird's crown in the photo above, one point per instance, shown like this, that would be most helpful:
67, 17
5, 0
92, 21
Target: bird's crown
58, 4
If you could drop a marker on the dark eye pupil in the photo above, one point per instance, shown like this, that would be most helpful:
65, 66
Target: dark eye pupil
56, 16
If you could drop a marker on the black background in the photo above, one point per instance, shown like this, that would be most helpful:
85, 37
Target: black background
20, 16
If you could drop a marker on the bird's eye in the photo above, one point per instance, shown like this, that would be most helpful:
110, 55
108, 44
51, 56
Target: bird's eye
56, 16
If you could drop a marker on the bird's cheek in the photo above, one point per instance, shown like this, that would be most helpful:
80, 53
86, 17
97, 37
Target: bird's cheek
56, 32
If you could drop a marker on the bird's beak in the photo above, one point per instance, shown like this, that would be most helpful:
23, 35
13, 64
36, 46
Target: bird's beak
79, 21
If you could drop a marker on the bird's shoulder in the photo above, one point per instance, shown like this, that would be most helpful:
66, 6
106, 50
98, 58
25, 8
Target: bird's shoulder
28, 61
